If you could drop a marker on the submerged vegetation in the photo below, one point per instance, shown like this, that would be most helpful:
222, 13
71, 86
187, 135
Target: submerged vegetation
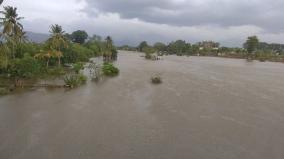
156, 79
110, 70
74, 80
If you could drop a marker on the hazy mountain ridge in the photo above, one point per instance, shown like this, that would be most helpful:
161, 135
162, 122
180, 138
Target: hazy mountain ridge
37, 37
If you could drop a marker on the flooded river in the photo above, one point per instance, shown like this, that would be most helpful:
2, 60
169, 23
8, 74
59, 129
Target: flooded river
206, 108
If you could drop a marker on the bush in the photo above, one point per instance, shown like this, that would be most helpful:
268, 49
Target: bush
27, 48
95, 46
110, 70
149, 50
156, 80
77, 53
4, 91
56, 71
263, 56
82, 78
148, 56
74, 80
25, 67
78, 66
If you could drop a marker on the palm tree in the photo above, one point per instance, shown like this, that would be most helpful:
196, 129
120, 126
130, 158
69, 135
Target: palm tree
109, 42
108, 48
4, 52
12, 28
57, 41
23, 37
46, 55
1, 1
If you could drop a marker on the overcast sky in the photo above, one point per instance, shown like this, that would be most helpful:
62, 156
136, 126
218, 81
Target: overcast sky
131, 21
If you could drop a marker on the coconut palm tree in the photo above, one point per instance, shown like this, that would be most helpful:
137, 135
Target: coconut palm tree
109, 42
23, 37
12, 28
57, 41
4, 52
46, 55
108, 48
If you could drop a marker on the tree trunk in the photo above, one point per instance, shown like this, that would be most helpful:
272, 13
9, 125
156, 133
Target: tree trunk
6, 61
47, 63
13, 51
59, 61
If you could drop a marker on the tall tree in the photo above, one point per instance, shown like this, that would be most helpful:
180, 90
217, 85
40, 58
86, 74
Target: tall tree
160, 46
79, 36
45, 56
108, 48
57, 41
12, 28
109, 42
251, 44
179, 47
142, 45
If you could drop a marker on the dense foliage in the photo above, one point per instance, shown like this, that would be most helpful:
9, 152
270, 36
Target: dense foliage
20, 58
79, 36
25, 67
74, 80
251, 45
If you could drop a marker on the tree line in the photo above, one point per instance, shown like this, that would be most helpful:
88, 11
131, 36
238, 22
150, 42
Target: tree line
21, 58
252, 49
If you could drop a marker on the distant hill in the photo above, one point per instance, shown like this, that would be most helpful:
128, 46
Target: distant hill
37, 37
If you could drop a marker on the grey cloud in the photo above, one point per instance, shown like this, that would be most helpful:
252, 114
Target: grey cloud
263, 13
131, 21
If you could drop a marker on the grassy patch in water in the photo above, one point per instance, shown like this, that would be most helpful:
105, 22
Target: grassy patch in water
110, 70
74, 80
156, 80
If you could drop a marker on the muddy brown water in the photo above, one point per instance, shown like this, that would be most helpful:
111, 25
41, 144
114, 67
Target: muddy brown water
206, 107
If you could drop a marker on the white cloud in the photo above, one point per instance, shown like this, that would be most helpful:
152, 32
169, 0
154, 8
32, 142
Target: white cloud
63, 11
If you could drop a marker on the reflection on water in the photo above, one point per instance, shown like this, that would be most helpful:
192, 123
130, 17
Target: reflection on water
205, 108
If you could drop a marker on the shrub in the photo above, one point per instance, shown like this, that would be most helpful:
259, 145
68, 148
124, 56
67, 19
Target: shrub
156, 80
82, 78
56, 71
78, 66
95, 46
4, 91
74, 80
25, 67
77, 53
148, 56
149, 50
263, 56
110, 70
